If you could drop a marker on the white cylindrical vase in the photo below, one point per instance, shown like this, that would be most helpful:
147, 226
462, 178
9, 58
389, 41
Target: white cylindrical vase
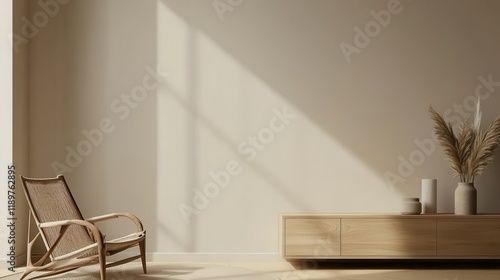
429, 196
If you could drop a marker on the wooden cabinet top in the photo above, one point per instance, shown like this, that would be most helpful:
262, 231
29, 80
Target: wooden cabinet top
391, 216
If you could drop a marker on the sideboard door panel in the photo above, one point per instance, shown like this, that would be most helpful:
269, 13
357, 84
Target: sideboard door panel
388, 237
468, 237
312, 238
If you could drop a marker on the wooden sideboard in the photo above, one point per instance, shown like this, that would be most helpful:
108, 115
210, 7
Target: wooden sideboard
391, 236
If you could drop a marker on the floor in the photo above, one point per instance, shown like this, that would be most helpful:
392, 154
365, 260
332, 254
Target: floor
364, 271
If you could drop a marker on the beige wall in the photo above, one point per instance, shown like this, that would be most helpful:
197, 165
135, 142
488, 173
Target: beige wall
142, 102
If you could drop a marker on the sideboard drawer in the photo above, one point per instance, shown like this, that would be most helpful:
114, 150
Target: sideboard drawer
389, 237
311, 238
468, 237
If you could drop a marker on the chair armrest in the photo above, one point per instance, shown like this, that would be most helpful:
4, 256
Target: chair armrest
54, 224
111, 216
66, 223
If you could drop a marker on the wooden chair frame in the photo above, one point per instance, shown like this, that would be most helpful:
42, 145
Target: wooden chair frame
99, 249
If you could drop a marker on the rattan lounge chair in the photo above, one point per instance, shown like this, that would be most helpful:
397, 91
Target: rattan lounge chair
71, 240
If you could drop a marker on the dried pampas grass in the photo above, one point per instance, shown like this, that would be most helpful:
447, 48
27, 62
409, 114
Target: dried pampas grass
469, 150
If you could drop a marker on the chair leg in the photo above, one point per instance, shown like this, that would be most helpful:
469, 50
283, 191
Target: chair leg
26, 272
102, 263
142, 248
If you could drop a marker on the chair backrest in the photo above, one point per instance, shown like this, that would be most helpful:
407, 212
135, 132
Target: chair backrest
50, 200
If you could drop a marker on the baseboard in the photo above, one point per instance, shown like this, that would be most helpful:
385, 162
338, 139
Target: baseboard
214, 257
206, 257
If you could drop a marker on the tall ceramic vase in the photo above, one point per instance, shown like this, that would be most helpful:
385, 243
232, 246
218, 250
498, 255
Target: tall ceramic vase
429, 196
465, 199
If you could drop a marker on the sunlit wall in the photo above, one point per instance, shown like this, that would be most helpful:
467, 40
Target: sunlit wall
208, 119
